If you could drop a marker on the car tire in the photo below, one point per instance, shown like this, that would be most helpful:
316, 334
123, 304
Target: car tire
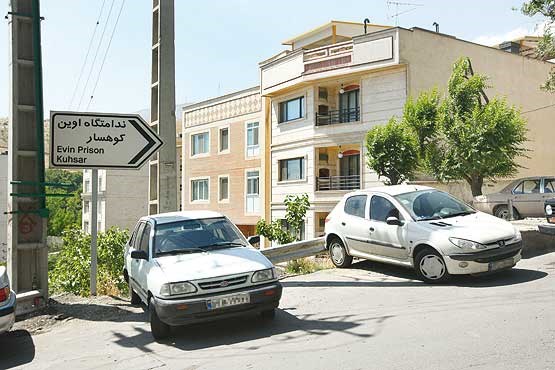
503, 213
160, 330
338, 253
268, 314
135, 299
430, 267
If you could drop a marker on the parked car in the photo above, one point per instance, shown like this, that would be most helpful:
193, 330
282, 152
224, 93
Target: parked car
7, 302
527, 194
196, 266
422, 228
549, 208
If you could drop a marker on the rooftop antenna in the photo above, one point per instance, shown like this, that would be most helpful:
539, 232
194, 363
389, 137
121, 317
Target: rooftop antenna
436, 25
410, 6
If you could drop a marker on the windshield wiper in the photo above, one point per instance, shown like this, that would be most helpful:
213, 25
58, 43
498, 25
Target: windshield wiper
225, 244
179, 251
430, 218
464, 213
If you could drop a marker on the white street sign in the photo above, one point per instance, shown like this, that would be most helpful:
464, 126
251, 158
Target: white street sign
100, 140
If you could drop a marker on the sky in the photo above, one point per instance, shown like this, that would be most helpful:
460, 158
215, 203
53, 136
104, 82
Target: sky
218, 42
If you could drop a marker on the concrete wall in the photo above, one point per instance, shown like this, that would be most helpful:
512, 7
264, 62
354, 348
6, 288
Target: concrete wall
3, 206
430, 59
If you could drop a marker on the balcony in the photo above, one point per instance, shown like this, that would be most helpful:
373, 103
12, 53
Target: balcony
338, 183
338, 116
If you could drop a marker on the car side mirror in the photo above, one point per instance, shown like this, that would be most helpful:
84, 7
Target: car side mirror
139, 255
255, 239
394, 221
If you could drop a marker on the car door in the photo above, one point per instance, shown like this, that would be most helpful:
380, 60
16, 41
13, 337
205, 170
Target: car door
548, 192
353, 224
139, 267
527, 197
386, 240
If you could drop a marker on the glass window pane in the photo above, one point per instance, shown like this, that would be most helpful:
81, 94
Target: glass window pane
224, 139
381, 209
293, 109
355, 205
224, 188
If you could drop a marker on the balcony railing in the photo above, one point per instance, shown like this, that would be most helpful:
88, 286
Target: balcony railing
338, 183
338, 116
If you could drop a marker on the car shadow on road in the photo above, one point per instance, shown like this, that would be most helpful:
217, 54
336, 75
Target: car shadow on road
284, 328
385, 275
16, 349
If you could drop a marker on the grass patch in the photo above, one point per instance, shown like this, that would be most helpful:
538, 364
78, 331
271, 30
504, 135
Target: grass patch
308, 265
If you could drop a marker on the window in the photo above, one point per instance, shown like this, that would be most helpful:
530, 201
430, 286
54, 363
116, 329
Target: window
199, 190
531, 186
145, 238
86, 206
253, 149
286, 227
87, 185
381, 209
86, 227
291, 169
348, 106
549, 186
291, 109
355, 205
253, 192
223, 188
224, 139
200, 143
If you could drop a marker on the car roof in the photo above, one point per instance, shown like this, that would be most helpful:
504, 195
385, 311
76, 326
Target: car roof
392, 189
165, 218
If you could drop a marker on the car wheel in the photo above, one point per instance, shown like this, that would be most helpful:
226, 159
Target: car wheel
503, 213
268, 314
430, 267
338, 254
135, 299
159, 329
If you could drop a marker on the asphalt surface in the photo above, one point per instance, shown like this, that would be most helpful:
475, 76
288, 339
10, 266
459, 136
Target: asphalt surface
371, 316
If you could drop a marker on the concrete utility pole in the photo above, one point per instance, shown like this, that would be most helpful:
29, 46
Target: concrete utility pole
163, 166
27, 214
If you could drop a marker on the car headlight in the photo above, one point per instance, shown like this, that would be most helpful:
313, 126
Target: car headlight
263, 275
548, 210
518, 235
170, 289
466, 244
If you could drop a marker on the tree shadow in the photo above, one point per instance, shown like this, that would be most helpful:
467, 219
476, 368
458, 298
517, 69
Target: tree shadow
16, 349
284, 328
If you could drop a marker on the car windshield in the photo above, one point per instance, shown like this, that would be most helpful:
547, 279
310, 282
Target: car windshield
198, 235
433, 205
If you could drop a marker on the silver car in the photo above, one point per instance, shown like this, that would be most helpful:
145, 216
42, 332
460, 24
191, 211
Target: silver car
7, 302
528, 196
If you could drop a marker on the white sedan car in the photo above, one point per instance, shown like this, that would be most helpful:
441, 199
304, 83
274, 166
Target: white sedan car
420, 227
196, 266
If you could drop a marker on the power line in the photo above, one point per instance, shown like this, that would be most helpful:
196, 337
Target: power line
540, 108
106, 54
87, 55
96, 54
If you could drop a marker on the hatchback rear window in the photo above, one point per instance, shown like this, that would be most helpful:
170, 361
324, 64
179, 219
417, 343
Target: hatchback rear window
355, 205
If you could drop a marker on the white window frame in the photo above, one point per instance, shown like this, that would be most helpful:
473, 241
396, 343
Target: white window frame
277, 105
199, 155
201, 201
256, 212
254, 148
226, 200
225, 151
305, 166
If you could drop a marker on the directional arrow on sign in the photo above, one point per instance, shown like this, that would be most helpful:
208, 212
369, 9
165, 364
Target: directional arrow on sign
100, 140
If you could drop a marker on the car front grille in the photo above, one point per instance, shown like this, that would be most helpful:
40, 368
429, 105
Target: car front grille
498, 257
223, 282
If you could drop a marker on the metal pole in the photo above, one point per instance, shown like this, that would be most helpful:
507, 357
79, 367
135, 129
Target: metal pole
511, 211
94, 228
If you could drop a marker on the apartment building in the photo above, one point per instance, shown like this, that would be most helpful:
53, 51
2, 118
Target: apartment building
337, 81
222, 145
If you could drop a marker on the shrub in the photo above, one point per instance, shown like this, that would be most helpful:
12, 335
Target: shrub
71, 272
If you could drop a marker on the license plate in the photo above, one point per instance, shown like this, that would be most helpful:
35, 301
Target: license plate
229, 300
497, 265
551, 220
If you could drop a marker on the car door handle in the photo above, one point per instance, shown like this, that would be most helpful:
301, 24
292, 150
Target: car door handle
372, 229
343, 224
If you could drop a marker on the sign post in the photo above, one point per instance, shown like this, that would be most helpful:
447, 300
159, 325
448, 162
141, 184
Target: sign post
99, 141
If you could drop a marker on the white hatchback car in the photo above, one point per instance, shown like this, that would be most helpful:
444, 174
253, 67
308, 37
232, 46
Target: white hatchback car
196, 266
420, 227
7, 302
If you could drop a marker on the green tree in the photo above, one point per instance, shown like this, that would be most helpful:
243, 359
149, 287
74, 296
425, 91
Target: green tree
421, 116
296, 208
546, 46
392, 151
65, 212
477, 138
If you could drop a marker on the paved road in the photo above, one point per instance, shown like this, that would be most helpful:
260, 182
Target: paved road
371, 316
